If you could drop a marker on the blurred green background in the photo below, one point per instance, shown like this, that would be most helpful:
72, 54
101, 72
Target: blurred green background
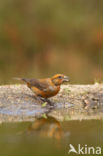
39, 38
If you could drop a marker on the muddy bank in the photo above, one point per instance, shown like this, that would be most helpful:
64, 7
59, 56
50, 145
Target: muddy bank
74, 102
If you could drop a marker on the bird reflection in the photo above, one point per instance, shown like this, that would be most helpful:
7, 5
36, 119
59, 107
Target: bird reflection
47, 127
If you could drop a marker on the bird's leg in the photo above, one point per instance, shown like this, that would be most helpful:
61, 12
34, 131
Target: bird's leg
41, 99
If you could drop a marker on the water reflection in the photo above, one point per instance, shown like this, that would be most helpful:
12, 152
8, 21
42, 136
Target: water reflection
47, 127
48, 136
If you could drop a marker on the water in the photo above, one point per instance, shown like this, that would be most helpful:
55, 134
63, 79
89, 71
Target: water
47, 136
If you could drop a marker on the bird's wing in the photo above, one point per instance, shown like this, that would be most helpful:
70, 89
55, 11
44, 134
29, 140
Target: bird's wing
37, 83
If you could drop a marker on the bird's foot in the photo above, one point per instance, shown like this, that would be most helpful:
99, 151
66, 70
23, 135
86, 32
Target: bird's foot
50, 103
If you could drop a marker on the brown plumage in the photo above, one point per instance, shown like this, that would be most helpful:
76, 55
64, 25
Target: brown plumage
47, 87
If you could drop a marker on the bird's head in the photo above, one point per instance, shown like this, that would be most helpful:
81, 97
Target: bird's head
58, 79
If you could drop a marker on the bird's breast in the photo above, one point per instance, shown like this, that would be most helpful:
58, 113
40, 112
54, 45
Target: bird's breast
52, 91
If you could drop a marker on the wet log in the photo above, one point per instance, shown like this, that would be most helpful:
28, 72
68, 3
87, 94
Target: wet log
74, 102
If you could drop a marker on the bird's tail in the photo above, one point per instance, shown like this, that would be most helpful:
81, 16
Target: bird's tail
20, 79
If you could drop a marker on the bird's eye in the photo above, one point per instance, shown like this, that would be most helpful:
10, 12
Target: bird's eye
60, 77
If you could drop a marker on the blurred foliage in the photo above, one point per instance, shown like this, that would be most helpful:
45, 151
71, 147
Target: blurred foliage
40, 38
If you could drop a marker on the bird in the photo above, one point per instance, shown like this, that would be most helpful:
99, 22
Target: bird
47, 87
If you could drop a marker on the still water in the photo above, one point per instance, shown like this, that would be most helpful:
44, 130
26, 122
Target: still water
48, 137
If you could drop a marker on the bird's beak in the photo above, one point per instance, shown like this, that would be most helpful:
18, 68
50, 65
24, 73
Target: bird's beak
66, 79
